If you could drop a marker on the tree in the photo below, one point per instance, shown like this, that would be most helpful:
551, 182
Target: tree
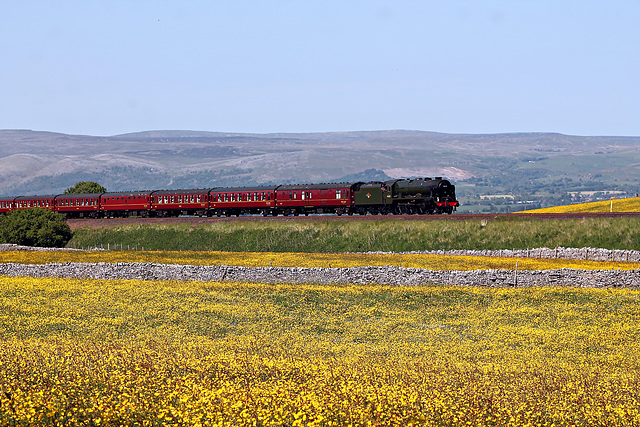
35, 227
85, 187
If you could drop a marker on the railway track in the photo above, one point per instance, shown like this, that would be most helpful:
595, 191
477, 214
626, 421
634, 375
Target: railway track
104, 222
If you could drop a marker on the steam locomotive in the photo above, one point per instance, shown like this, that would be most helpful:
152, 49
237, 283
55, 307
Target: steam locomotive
399, 196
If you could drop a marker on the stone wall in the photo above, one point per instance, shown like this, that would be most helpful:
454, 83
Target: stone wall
358, 275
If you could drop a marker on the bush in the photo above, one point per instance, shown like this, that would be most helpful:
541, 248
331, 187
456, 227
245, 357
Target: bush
35, 227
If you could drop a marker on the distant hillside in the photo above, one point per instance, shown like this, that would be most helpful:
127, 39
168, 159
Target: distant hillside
539, 168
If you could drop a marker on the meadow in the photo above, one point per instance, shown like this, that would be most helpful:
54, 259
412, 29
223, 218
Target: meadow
126, 352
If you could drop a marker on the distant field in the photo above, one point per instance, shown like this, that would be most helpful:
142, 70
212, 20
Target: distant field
616, 205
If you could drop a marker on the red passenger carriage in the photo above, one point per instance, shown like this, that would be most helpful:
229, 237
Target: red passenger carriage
132, 203
26, 202
315, 198
79, 205
242, 200
6, 204
180, 202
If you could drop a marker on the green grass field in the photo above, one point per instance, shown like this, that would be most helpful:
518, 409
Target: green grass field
360, 236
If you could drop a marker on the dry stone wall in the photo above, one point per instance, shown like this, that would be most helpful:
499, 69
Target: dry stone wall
388, 275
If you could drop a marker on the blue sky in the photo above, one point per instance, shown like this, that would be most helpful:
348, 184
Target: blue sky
111, 67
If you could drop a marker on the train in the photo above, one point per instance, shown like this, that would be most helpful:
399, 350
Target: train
398, 196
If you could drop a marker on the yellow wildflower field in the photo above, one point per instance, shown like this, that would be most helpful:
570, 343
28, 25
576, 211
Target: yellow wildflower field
296, 259
127, 352
631, 204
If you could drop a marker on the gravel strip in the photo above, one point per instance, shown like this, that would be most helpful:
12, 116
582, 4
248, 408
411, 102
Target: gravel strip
14, 247
388, 275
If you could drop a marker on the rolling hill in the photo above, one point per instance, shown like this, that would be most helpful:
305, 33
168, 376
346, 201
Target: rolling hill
528, 167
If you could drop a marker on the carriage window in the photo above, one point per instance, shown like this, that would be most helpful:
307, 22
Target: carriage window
337, 194
198, 198
179, 199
